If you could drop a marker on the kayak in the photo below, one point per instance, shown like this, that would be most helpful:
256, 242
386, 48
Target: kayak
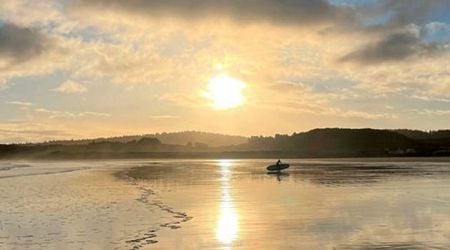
278, 167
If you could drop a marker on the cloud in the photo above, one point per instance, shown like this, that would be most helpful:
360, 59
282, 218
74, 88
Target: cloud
90, 113
361, 114
28, 51
299, 98
411, 11
296, 12
435, 27
393, 48
431, 99
325, 109
25, 131
18, 44
34, 132
183, 99
169, 49
434, 112
164, 117
20, 103
52, 114
71, 87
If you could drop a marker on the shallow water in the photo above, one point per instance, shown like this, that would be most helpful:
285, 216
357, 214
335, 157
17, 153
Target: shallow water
226, 204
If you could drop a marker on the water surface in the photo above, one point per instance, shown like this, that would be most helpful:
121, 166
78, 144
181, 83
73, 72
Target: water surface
226, 204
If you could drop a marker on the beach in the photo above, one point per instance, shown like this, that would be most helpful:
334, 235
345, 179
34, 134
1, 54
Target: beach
225, 204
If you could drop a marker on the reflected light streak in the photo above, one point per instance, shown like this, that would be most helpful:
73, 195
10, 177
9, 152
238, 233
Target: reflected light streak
227, 225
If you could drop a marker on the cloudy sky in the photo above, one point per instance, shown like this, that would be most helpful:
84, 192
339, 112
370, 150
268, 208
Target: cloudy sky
88, 68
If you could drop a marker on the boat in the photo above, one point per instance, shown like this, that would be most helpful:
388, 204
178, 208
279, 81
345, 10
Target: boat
277, 167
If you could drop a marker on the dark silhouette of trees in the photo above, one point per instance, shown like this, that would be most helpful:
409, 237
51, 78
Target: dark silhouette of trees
330, 142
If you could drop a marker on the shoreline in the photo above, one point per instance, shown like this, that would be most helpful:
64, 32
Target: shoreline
208, 156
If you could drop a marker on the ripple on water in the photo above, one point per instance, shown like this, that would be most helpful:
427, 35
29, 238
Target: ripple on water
408, 245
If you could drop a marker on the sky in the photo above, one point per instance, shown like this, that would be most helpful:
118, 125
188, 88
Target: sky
73, 69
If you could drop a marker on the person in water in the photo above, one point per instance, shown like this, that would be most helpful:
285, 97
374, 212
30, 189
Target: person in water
278, 162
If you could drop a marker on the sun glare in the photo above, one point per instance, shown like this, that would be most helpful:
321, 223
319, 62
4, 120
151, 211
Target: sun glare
227, 229
225, 92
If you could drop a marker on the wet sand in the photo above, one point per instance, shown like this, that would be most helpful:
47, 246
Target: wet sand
225, 204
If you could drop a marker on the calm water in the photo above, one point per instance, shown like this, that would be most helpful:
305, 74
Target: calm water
226, 204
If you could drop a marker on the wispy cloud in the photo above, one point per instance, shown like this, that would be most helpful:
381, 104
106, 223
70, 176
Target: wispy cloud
52, 114
26, 131
434, 112
431, 98
71, 87
164, 117
20, 103
183, 99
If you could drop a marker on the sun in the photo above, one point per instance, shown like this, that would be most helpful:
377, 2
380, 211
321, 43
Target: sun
225, 92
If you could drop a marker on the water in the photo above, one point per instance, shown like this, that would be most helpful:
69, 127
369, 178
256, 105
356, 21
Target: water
226, 204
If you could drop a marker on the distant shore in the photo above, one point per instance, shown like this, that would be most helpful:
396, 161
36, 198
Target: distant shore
317, 143
204, 155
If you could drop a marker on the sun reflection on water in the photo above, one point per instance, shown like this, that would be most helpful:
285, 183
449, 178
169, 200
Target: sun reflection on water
227, 224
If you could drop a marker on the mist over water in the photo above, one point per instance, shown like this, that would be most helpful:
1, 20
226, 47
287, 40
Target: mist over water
226, 204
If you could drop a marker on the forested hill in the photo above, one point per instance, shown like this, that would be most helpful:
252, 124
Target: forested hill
425, 135
193, 137
178, 138
339, 142
326, 141
331, 142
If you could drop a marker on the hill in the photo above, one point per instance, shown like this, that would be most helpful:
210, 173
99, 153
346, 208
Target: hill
179, 138
424, 135
330, 142
336, 142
